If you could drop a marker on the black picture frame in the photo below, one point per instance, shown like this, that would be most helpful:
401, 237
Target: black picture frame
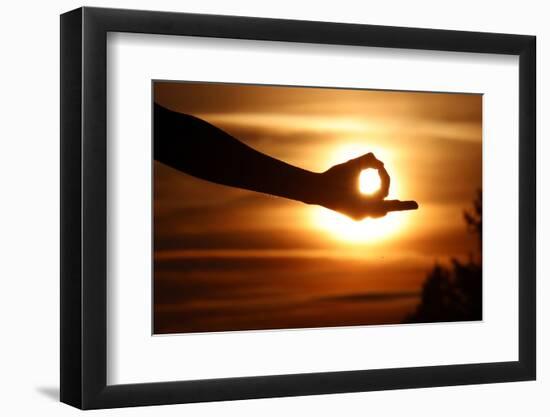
84, 207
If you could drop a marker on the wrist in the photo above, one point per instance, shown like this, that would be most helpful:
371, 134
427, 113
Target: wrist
312, 188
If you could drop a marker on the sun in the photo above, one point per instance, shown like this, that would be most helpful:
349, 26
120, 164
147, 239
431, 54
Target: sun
368, 230
369, 181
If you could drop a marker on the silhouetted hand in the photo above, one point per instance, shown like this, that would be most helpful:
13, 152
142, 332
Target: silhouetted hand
340, 190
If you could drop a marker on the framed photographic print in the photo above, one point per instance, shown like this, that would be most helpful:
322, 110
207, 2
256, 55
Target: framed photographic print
258, 208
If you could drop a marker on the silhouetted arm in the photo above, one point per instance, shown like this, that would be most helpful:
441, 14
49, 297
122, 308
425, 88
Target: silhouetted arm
198, 148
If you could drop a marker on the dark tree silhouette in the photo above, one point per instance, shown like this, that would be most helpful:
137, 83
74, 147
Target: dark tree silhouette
454, 293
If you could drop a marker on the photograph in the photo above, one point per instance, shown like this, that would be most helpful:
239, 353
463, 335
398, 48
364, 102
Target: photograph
303, 207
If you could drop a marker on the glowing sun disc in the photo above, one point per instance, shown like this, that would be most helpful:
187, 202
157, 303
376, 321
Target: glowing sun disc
369, 181
368, 230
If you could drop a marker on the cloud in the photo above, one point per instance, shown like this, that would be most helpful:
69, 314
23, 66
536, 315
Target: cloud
208, 98
372, 297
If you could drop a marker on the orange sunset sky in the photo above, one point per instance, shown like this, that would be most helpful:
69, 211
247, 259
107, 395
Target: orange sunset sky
231, 259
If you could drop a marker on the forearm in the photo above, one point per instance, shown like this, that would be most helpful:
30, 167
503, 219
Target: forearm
198, 148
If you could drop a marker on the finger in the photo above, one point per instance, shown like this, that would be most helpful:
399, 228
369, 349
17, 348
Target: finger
367, 160
384, 183
397, 205
377, 209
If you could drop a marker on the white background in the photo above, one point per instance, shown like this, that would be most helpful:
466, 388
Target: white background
134, 356
29, 213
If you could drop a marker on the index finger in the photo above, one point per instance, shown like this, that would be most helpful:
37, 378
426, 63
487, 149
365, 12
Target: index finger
369, 161
384, 183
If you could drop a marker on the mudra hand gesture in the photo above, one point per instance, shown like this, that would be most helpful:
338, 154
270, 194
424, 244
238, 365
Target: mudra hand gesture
341, 192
